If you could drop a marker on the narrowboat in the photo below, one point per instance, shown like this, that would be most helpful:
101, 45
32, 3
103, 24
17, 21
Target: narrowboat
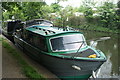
63, 51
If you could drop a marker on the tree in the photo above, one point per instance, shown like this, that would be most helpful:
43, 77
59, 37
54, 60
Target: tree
108, 15
118, 4
10, 5
22, 10
82, 8
88, 12
0, 11
56, 7
33, 10
46, 10
118, 11
11, 8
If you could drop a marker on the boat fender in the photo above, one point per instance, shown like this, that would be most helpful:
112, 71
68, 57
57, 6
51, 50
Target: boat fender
76, 67
92, 56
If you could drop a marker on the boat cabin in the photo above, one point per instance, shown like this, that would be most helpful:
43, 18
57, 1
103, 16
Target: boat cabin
53, 40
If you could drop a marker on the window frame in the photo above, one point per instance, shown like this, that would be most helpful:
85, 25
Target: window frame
62, 36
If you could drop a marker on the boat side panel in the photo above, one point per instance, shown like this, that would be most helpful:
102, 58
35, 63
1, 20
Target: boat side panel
60, 66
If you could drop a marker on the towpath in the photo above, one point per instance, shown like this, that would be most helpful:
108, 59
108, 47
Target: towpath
10, 68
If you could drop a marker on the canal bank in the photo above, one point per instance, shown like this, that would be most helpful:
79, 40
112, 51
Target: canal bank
10, 68
97, 29
39, 68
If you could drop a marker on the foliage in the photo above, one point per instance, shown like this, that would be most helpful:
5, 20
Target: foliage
64, 16
118, 4
33, 9
56, 7
118, 10
88, 14
0, 11
107, 15
10, 5
22, 10
10, 8
81, 9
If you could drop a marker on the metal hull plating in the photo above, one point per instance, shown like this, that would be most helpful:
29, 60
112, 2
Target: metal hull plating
62, 67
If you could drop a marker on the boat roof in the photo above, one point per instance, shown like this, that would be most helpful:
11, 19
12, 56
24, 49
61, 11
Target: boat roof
49, 31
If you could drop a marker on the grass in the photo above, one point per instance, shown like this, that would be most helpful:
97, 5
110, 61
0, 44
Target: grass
27, 70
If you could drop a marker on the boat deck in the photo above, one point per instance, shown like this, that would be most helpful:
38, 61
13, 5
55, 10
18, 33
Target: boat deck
85, 53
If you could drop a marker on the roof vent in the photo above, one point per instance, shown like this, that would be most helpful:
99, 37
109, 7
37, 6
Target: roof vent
53, 32
36, 27
43, 29
39, 28
33, 27
46, 32
49, 31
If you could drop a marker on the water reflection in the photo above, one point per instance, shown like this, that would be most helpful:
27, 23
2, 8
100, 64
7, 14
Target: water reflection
110, 69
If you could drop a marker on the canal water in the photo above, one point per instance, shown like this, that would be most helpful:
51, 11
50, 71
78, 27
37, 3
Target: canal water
110, 45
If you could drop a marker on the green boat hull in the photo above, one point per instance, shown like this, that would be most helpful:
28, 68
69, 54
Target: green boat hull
62, 67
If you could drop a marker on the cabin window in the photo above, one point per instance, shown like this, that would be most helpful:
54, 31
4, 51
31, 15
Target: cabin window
35, 40
39, 42
68, 42
27, 36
